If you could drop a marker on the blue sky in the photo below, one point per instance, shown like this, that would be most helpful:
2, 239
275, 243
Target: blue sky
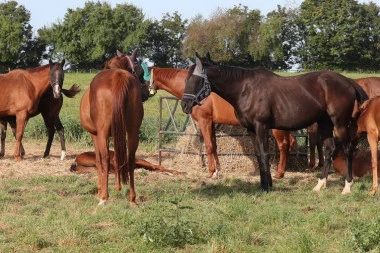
46, 12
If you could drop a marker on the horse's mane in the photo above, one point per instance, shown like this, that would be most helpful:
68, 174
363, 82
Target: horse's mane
165, 73
39, 68
238, 73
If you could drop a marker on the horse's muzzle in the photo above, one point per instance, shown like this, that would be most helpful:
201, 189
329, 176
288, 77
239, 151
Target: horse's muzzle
187, 106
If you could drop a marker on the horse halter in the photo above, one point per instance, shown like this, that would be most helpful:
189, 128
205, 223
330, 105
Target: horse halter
152, 88
203, 92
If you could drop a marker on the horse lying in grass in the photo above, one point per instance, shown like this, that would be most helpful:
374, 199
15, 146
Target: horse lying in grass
361, 162
86, 162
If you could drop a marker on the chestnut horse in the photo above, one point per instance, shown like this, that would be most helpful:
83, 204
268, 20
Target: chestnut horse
361, 162
368, 122
112, 106
371, 85
22, 91
49, 107
86, 162
214, 110
263, 100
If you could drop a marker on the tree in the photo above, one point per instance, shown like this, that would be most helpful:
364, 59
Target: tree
165, 41
18, 48
89, 36
333, 33
227, 35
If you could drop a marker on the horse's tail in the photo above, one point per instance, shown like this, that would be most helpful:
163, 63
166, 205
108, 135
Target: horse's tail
361, 95
118, 128
72, 91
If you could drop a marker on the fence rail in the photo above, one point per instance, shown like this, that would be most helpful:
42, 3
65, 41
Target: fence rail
166, 126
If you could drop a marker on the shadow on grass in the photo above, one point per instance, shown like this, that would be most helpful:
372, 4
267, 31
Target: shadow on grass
235, 186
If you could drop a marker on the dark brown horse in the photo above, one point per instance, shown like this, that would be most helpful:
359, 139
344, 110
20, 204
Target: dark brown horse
263, 100
214, 110
112, 107
49, 107
86, 162
22, 90
371, 85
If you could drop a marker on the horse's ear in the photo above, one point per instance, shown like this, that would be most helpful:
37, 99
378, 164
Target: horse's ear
134, 55
197, 55
118, 53
198, 64
63, 63
50, 62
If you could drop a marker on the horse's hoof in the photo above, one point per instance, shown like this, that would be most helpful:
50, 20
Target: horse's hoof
18, 158
279, 175
63, 155
102, 202
320, 185
1, 155
320, 165
133, 204
374, 191
347, 187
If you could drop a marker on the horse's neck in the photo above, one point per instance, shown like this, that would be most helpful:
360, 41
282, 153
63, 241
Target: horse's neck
40, 79
174, 86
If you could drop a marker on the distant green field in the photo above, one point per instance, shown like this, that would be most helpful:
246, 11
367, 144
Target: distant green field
149, 130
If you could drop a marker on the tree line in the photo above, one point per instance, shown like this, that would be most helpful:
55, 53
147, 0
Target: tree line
319, 34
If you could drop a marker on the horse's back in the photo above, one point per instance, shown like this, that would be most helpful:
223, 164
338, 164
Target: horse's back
371, 85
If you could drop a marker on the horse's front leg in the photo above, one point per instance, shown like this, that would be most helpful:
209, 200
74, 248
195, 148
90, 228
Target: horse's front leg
261, 144
21, 121
3, 135
208, 132
329, 149
61, 132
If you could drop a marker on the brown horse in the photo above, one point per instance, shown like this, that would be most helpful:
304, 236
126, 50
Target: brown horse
22, 90
263, 100
49, 107
371, 85
368, 122
361, 162
214, 110
86, 162
112, 106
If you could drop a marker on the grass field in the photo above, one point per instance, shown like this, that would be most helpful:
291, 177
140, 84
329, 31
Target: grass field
181, 214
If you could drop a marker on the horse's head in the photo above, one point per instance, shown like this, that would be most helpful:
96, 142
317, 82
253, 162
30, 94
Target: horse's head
134, 66
56, 77
197, 85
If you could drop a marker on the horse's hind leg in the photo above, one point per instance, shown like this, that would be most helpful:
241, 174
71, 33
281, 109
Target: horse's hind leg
283, 143
326, 131
313, 139
133, 142
3, 133
61, 132
372, 137
102, 165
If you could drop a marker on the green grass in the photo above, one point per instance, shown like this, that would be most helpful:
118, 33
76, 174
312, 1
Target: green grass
60, 214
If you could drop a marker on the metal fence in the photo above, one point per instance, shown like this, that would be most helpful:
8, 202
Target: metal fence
171, 126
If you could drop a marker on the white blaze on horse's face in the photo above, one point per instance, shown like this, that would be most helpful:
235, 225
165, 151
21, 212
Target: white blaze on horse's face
56, 87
